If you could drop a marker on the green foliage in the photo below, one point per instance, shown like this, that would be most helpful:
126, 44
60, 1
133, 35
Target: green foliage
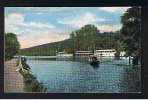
11, 45
89, 38
134, 83
131, 32
25, 65
31, 82
86, 38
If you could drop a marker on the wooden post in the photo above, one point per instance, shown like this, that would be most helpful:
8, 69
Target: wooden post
129, 60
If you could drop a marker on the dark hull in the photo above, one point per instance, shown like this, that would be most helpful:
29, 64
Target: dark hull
95, 64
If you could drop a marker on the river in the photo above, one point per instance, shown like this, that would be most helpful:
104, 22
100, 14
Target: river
80, 77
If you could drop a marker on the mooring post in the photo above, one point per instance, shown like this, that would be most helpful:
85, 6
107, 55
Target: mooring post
129, 60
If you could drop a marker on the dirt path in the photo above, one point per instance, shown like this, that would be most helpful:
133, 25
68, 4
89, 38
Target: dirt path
13, 80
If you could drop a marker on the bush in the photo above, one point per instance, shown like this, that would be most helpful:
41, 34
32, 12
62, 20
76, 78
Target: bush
11, 45
31, 82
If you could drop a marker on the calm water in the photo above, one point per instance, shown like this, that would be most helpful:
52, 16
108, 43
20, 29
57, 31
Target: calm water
79, 77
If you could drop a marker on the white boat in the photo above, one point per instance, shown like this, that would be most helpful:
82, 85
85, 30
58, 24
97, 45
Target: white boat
63, 54
83, 53
105, 53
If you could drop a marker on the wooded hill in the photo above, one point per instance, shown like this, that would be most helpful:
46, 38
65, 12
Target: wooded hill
48, 49
106, 40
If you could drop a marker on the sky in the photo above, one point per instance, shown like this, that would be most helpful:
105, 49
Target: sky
40, 25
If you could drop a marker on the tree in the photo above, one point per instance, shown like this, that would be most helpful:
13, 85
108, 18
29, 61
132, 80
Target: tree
85, 38
118, 44
11, 45
131, 31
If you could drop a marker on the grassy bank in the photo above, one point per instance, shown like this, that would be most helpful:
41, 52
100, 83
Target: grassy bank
30, 81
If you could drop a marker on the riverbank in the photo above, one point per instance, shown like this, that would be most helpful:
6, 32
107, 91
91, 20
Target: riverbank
13, 80
20, 81
30, 81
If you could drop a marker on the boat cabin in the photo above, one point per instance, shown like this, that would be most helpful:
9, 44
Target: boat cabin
105, 53
63, 54
83, 53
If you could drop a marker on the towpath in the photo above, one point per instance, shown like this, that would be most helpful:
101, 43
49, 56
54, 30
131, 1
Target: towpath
13, 80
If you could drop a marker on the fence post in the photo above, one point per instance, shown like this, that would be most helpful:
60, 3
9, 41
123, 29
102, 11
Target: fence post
129, 60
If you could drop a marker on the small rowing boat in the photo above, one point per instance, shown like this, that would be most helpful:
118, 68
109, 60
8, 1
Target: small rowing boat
94, 61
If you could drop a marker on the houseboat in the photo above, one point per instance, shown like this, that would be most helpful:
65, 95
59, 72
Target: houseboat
83, 53
105, 53
63, 54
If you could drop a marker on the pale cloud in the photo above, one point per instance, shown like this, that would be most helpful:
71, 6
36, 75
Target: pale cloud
39, 13
31, 33
12, 22
42, 10
114, 9
79, 21
39, 25
108, 28
15, 23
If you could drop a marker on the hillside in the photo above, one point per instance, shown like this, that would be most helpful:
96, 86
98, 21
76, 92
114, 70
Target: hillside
86, 38
103, 41
48, 49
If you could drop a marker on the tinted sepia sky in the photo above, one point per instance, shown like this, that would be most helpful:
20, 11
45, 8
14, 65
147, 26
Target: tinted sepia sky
40, 25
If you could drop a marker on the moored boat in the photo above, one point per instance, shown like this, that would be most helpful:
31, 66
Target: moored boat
63, 54
94, 61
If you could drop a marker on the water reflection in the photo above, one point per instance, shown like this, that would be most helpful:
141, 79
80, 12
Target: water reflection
95, 66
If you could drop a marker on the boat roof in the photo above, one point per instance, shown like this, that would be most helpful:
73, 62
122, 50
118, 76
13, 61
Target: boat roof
61, 52
83, 51
107, 50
